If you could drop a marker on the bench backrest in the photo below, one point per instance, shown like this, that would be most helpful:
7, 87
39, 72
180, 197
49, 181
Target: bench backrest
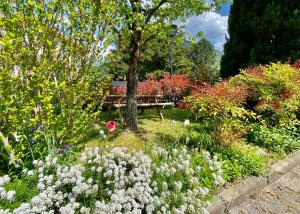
120, 99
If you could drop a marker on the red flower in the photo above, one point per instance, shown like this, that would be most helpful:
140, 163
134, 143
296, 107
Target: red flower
276, 105
111, 126
260, 103
286, 94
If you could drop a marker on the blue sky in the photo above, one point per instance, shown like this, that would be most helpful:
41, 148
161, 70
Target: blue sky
212, 24
225, 9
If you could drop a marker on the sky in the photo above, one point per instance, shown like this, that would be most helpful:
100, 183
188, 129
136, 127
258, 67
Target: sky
212, 24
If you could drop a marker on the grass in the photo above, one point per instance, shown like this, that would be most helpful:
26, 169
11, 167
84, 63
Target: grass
152, 130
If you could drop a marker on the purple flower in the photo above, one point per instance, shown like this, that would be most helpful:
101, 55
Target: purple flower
32, 129
32, 142
43, 127
67, 147
57, 151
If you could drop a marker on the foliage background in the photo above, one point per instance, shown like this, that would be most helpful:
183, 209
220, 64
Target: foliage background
261, 31
47, 83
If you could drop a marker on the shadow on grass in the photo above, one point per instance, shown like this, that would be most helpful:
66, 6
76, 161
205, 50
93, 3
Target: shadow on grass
152, 129
150, 113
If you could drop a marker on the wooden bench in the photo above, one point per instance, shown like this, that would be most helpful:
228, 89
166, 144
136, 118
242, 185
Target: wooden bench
143, 101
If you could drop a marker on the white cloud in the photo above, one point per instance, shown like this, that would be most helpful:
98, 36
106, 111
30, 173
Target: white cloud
212, 24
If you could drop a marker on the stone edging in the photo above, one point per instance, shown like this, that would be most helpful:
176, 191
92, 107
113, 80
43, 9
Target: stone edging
234, 195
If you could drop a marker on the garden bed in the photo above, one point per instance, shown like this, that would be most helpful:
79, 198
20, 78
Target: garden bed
176, 165
176, 132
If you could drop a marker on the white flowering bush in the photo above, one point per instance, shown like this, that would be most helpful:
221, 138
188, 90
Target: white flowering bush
120, 181
6, 195
182, 180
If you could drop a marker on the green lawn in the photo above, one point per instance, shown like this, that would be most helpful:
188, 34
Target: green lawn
152, 129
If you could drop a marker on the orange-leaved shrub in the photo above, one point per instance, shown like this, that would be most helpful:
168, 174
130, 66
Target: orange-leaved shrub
221, 107
219, 101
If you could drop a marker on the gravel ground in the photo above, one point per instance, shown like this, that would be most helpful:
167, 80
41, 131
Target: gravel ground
281, 197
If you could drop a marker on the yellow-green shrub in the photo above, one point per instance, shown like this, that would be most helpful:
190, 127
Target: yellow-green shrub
46, 56
275, 91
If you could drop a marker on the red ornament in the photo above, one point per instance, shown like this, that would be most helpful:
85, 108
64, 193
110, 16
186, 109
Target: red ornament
111, 126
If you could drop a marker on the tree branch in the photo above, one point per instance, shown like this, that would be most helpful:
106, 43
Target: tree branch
147, 40
152, 11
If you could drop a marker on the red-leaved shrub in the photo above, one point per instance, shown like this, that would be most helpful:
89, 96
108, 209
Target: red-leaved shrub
275, 104
254, 71
173, 88
297, 64
117, 90
286, 94
150, 87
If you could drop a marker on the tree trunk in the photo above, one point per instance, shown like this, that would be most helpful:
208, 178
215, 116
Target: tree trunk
132, 82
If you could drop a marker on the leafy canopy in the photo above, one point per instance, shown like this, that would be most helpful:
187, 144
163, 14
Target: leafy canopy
153, 18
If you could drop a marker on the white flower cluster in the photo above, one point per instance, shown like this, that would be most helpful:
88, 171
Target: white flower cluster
186, 122
177, 163
6, 195
214, 165
27, 172
58, 184
118, 182
127, 180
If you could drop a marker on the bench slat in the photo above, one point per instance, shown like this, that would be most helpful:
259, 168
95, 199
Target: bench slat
144, 105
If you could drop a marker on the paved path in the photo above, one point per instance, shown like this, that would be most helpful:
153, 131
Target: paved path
281, 197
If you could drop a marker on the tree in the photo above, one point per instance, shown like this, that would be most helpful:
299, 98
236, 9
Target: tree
140, 21
261, 31
203, 56
156, 59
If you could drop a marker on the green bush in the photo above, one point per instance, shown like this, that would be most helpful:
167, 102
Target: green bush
280, 140
25, 189
237, 160
47, 86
